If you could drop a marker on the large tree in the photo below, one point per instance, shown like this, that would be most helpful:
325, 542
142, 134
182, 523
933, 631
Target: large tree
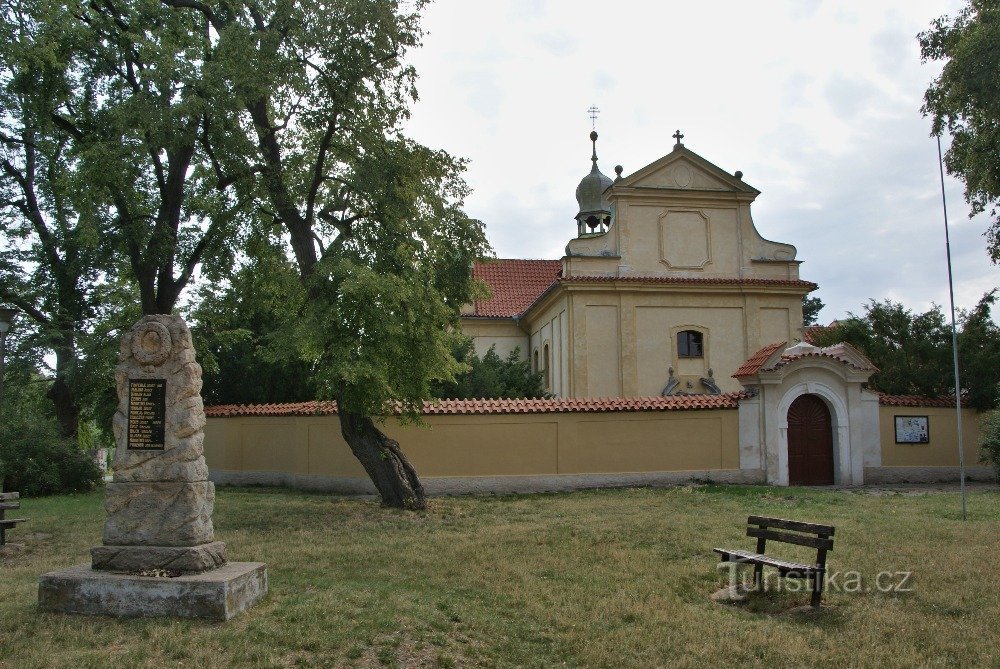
965, 101
137, 96
108, 170
383, 248
186, 117
50, 258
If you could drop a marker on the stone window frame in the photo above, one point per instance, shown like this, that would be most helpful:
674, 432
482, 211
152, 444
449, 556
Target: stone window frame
701, 343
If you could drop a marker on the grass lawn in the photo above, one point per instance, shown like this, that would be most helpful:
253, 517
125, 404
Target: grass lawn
615, 578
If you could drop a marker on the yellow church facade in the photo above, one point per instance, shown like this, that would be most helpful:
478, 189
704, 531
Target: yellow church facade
666, 288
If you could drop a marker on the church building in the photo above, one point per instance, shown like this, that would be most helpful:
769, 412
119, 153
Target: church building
670, 337
666, 288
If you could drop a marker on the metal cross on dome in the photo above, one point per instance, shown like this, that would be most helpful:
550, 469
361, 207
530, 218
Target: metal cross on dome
593, 112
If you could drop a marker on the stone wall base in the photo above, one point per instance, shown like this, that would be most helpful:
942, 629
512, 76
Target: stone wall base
219, 594
185, 559
461, 485
925, 474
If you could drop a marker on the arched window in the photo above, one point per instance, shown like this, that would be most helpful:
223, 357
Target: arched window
548, 365
534, 365
690, 344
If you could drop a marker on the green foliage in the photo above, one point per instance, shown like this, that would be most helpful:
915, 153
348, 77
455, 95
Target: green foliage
374, 219
965, 101
979, 354
913, 351
989, 442
34, 458
246, 335
491, 376
180, 124
811, 307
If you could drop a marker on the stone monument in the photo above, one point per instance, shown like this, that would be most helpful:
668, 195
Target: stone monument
159, 555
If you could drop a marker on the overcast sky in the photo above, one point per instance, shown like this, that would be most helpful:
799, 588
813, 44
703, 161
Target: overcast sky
818, 103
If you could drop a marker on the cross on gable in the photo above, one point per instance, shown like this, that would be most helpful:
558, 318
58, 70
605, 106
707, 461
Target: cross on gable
678, 136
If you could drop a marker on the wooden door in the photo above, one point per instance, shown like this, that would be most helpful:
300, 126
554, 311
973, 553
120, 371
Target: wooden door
810, 442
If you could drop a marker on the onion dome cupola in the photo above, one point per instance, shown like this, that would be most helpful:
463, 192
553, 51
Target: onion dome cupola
595, 210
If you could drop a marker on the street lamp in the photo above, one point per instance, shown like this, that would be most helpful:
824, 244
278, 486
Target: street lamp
6, 318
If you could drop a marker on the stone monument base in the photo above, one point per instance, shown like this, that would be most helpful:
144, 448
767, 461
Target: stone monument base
219, 594
185, 559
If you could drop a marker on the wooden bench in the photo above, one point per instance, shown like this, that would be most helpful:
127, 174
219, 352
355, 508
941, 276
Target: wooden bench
789, 532
8, 501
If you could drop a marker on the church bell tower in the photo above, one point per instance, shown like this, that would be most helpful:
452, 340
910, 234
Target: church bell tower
595, 211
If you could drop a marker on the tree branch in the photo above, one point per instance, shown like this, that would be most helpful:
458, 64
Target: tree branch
318, 168
25, 306
205, 10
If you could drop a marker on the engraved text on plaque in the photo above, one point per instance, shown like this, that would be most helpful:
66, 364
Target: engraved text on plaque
147, 411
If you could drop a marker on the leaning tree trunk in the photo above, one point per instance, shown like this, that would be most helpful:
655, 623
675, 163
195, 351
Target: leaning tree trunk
385, 462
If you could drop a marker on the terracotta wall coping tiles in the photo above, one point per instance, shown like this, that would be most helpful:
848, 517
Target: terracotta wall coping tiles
501, 406
915, 401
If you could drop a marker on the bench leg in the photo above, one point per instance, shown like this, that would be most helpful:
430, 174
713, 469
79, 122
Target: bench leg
758, 576
3, 536
817, 589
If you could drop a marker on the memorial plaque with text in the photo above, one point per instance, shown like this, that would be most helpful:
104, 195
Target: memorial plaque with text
147, 413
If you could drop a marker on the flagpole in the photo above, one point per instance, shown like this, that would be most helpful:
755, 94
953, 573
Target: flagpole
954, 334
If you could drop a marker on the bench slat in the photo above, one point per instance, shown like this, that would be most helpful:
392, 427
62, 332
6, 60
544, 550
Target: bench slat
795, 525
4, 496
4, 506
11, 522
758, 558
788, 538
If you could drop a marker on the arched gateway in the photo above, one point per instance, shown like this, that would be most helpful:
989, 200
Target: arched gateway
810, 442
809, 419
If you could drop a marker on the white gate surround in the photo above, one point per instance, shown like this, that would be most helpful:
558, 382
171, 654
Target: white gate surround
836, 375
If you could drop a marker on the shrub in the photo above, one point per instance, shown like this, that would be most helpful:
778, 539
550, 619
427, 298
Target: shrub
34, 460
989, 442
491, 376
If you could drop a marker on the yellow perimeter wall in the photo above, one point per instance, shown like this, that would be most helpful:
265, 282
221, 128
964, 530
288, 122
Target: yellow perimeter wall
554, 444
942, 449
542, 444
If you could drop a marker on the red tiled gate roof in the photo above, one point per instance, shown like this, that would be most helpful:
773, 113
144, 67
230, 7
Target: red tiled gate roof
757, 360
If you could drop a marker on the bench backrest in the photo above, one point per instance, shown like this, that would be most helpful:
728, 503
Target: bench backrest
9, 500
815, 536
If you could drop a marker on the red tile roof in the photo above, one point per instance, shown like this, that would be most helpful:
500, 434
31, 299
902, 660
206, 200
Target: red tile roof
757, 360
842, 352
915, 401
516, 284
501, 406
809, 333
